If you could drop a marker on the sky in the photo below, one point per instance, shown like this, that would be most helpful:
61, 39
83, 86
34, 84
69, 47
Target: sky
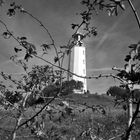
104, 51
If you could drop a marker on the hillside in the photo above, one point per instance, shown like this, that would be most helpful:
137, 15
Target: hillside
90, 99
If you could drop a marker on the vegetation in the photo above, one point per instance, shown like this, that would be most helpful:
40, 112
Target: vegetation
40, 104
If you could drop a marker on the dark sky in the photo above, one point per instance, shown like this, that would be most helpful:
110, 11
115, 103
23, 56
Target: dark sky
103, 51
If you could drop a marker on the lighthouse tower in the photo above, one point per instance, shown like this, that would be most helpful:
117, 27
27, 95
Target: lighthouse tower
79, 64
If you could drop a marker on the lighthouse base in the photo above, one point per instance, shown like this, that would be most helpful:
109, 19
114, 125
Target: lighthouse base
79, 91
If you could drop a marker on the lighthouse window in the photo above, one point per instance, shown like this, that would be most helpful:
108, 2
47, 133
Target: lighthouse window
83, 61
83, 52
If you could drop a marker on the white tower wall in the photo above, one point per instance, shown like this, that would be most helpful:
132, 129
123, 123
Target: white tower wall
79, 66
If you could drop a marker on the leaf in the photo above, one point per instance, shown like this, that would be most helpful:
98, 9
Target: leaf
124, 107
11, 12
32, 130
127, 58
93, 31
122, 6
32, 46
112, 11
80, 43
68, 52
63, 47
133, 46
108, 12
6, 35
123, 74
24, 66
86, 16
45, 47
13, 57
56, 59
73, 26
17, 50
23, 38
27, 56
85, 2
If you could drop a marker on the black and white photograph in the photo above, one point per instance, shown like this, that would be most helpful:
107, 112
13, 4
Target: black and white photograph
69, 69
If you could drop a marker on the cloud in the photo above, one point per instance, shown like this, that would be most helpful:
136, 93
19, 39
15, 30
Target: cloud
112, 30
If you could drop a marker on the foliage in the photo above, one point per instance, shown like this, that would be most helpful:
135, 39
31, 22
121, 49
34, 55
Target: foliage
126, 93
130, 75
77, 127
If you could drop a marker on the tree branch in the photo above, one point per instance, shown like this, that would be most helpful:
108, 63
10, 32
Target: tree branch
42, 25
38, 111
129, 129
135, 12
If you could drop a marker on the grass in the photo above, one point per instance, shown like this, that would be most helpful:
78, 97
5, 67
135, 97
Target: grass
65, 127
90, 99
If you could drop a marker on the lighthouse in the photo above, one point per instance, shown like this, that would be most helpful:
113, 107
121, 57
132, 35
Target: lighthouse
79, 62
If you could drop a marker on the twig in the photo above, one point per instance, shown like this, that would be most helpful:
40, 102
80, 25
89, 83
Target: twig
38, 111
42, 25
135, 12
16, 126
128, 131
